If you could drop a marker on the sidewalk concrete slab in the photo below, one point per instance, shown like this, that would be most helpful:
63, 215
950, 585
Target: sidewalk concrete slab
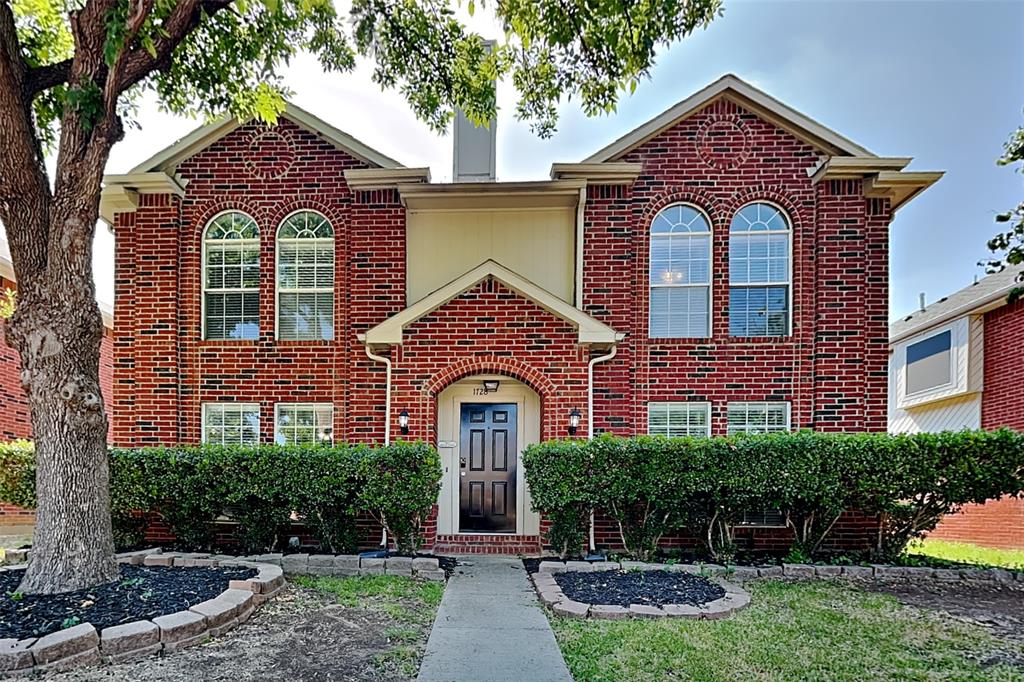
490, 628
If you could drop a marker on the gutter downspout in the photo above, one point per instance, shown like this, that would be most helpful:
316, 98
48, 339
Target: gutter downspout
590, 421
387, 416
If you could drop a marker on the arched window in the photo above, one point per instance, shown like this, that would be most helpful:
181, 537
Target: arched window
231, 278
759, 272
680, 273
305, 278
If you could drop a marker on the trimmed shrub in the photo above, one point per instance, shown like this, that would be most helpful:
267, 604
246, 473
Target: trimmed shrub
560, 474
190, 487
652, 485
398, 485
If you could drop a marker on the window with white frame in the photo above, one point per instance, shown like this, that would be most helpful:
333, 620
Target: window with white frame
930, 363
758, 418
679, 419
305, 278
303, 423
231, 278
231, 424
680, 273
759, 272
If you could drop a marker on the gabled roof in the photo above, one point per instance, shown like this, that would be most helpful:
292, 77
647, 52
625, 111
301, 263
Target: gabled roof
985, 294
749, 97
201, 138
590, 330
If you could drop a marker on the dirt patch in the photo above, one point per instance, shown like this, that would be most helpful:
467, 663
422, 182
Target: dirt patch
302, 635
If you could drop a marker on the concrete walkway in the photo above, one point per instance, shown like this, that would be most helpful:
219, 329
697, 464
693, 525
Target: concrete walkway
490, 628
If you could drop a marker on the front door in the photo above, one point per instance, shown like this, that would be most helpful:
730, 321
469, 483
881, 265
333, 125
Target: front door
487, 468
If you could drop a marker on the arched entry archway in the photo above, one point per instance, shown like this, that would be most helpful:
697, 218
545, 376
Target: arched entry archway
481, 434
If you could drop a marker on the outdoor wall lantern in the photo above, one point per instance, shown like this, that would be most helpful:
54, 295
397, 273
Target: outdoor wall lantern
491, 385
403, 422
574, 421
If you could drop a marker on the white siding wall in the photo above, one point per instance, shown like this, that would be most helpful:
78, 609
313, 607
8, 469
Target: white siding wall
950, 409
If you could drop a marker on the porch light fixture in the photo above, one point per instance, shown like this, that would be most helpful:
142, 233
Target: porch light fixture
491, 385
574, 421
403, 422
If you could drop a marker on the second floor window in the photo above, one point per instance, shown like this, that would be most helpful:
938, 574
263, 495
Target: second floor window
759, 272
231, 278
680, 273
305, 278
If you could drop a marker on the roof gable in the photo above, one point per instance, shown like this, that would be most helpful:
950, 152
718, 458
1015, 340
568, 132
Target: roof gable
590, 330
168, 159
747, 96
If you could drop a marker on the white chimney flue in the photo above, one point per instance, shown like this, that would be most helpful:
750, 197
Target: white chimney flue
475, 149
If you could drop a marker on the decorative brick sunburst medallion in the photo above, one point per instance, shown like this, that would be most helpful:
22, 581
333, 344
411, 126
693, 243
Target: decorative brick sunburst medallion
270, 154
723, 143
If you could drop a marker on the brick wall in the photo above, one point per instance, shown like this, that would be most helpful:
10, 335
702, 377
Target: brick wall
998, 523
15, 421
832, 368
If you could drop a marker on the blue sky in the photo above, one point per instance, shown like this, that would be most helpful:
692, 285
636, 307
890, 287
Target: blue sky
938, 81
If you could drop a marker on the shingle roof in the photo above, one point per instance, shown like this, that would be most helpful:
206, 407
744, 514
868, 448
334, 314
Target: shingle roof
985, 291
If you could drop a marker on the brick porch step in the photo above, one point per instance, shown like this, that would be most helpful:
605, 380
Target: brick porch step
488, 544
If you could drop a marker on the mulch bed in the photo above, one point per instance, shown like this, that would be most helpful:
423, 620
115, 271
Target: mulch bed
142, 593
651, 588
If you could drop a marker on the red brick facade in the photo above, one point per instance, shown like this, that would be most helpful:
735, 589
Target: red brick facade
14, 411
832, 368
998, 523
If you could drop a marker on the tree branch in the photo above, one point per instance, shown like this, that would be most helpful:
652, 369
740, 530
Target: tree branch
42, 78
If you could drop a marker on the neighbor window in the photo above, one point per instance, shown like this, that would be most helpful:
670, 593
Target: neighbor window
759, 266
679, 419
929, 363
304, 423
680, 273
305, 278
231, 278
759, 418
231, 423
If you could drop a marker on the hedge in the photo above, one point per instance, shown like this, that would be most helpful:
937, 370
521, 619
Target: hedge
653, 485
261, 489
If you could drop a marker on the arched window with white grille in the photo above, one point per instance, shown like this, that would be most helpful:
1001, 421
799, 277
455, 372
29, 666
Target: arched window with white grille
305, 278
231, 277
680, 273
759, 272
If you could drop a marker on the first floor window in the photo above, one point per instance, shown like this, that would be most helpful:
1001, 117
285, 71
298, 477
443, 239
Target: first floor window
679, 419
759, 418
304, 423
231, 424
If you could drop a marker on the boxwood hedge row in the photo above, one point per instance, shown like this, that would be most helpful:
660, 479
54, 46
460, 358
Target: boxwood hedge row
652, 486
262, 489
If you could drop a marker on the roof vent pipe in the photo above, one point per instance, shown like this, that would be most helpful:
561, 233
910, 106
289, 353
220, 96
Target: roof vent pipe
474, 155
920, 298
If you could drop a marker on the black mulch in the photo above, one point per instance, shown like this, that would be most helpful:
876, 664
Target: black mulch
143, 592
652, 588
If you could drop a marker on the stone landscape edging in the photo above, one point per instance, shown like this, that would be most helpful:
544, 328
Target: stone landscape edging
550, 593
805, 571
83, 645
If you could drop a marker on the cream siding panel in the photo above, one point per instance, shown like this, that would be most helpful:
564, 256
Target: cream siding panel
950, 409
538, 244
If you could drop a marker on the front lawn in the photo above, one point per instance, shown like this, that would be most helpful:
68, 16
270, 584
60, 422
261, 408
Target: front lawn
792, 631
966, 553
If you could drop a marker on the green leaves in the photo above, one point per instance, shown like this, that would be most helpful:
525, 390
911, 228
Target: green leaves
1011, 240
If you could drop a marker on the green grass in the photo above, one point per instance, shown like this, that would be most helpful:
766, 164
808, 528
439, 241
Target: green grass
963, 552
410, 605
791, 631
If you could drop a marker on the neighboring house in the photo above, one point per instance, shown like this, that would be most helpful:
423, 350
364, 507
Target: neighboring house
959, 364
14, 411
722, 268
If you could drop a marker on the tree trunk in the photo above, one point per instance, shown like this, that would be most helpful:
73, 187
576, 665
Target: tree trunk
59, 343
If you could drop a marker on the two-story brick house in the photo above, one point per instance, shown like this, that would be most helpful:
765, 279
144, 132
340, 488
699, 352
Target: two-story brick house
724, 267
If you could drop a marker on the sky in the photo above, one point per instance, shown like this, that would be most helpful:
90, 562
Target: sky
942, 82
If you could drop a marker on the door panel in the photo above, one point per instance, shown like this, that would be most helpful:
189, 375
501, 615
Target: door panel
487, 469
